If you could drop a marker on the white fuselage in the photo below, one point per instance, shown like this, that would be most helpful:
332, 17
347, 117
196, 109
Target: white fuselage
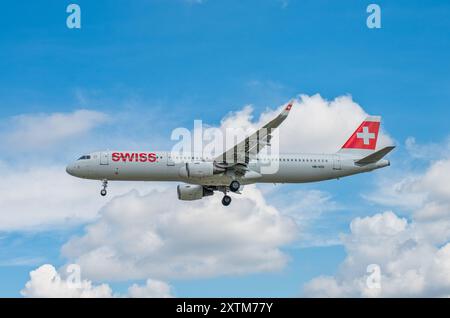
162, 166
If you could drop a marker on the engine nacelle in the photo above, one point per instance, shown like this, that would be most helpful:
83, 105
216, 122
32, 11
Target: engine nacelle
189, 192
200, 170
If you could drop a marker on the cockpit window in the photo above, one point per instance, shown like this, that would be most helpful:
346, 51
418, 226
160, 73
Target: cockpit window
86, 157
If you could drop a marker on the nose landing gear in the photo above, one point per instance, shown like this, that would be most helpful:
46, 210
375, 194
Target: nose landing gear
104, 186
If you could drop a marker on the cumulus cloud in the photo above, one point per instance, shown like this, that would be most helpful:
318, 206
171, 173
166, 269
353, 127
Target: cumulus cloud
40, 131
314, 125
151, 289
425, 195
47, 282
414, 256
41, 197
409, 266
44, 196
156, 235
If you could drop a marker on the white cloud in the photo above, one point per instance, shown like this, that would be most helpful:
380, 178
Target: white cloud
428, 151
40, 197
308, 205
314, 125
310, 210
151, 289
398, 190
47, 282
426, 195
40, 131
414, 256
156, 235
43, 197
409, 266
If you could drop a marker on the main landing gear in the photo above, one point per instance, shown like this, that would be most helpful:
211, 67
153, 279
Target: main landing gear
226, 200
104, 186
234, 187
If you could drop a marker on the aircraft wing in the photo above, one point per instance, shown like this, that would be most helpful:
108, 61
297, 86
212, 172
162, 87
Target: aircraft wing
241, 153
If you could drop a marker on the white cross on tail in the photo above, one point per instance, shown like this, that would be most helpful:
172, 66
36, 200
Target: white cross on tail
365, 135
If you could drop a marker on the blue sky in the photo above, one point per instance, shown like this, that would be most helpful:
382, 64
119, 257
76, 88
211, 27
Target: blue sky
157, 65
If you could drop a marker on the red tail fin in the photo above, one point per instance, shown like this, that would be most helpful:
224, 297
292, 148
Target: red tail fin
365, 137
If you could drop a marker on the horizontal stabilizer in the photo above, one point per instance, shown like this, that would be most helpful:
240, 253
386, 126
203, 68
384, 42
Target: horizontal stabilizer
376, 156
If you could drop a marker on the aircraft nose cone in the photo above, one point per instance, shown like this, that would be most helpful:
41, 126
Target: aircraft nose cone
70, 169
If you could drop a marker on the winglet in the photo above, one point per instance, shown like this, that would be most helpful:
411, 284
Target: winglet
288, 107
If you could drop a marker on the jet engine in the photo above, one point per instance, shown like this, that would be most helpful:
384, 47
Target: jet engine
189, 192
200, 170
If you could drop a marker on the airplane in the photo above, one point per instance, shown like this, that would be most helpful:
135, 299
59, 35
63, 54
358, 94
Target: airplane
240, 165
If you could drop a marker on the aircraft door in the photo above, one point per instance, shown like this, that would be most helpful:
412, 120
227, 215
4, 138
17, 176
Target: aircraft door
170, 161
337, 163
104, 158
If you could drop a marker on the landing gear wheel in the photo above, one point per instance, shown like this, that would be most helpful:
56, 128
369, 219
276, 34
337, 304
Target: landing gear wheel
226, 200
104, 186
234, 186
